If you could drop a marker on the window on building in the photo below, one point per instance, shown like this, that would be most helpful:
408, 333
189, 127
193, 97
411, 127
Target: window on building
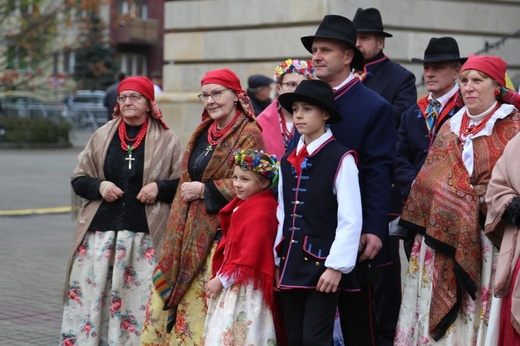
68, 61
136, 8
18, 58
23, 7
134, 64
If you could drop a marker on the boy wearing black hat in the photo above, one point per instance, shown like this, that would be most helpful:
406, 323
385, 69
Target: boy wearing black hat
319, 217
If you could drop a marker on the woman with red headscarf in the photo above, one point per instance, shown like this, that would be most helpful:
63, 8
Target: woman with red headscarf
124, 184
448, 293
177, 309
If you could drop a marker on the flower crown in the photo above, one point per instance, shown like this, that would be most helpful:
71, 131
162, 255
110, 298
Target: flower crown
294, 66
258, 162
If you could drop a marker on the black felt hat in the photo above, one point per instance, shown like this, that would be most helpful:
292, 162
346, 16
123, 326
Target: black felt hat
338, 28
369, 20
441, 49
314, 92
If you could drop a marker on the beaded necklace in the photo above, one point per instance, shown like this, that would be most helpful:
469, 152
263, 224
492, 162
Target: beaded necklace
466, 129
215, 135
136, 141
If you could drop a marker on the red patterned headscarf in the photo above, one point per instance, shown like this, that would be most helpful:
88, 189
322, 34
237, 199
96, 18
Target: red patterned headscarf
143, 86
230, 80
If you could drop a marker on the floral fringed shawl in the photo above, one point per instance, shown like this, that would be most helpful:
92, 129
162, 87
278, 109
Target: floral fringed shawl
445, 204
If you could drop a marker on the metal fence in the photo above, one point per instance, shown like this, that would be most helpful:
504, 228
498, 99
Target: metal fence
80, 117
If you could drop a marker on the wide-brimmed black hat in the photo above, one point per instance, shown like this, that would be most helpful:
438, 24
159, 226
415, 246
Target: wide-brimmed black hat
315, 92
441, 49
369, 20
338, 28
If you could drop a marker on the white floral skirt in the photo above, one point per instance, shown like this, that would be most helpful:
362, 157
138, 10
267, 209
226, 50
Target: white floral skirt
239, 316
109, 286
473, 323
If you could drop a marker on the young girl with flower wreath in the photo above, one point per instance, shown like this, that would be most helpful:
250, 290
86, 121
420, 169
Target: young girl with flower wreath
241, 303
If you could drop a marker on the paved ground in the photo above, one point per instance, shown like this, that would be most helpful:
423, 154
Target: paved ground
34, 248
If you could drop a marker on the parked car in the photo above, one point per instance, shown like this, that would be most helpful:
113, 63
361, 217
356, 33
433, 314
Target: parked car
86, 108
15, 103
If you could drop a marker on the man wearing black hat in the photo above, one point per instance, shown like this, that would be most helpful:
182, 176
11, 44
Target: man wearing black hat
421, 122
368, 127
389, 79
397, 85
259, 91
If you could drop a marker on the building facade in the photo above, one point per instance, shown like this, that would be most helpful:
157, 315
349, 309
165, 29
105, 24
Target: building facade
253, 36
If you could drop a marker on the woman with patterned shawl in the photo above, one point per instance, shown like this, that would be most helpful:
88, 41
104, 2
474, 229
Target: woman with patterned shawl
447, 295
124, 183
177, 309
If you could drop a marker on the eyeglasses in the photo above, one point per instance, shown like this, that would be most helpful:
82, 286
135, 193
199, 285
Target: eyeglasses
215, 95
132, 98
290, 85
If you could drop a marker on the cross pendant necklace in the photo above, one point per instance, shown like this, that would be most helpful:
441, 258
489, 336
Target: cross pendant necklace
208, 149
129, 158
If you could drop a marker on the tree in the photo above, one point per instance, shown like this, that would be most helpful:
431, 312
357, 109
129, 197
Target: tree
31, 41
26, 33
95, 67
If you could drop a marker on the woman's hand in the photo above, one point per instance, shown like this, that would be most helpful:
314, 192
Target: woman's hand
190, 191
213, 288
148, 193
110, 192
329, 281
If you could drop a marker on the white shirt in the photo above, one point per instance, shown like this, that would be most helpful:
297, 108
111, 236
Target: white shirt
445, 98
344, 249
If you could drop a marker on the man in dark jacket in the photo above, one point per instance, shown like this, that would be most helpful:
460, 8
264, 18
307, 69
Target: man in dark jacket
441, 69
259, 91
387, 78
419, 125
111, 94
368, 127
397, 85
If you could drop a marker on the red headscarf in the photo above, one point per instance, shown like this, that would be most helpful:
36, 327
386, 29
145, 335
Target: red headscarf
144, 86
138, 83
493, 66
229, 79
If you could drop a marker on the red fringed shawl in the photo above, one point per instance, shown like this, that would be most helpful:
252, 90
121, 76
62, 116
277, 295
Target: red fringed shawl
245, 252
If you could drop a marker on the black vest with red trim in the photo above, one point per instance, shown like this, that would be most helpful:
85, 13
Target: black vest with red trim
311, 210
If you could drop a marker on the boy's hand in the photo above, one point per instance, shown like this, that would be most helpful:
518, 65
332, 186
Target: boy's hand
329, 281
213, 288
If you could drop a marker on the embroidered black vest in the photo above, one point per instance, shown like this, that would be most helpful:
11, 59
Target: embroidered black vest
310, 222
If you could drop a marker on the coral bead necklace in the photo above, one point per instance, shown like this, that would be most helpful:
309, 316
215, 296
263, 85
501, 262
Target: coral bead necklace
136, 141
215, 135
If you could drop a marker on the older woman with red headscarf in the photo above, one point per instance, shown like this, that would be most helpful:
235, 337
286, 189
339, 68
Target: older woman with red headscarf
124, 184
177, 308
447, 298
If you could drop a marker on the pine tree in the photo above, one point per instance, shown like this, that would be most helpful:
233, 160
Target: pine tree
95, 66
